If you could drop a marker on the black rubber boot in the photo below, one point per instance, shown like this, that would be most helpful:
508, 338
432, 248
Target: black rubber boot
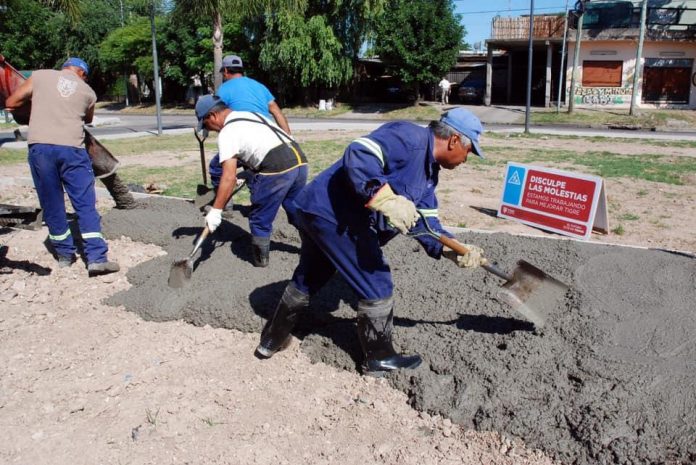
260, 247
375, 325
276, 333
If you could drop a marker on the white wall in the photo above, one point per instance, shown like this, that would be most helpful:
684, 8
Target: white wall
625, 51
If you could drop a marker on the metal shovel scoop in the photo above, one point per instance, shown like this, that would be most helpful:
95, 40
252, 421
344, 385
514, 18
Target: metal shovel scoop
528, 290
181, 270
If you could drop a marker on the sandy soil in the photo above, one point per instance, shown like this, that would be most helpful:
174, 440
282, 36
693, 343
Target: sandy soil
83, 382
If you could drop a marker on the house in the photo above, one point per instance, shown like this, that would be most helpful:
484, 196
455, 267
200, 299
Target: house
607, 58
607, 61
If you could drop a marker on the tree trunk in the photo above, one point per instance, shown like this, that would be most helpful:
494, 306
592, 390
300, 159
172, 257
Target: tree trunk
217, 49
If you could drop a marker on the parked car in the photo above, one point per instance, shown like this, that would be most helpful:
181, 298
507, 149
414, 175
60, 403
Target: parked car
471, 90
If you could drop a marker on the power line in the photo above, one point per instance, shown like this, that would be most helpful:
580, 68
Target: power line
501, 10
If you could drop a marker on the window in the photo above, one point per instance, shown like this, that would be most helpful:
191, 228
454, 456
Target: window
602, 73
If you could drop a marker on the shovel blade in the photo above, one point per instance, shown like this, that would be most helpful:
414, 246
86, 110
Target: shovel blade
204, 196
533, 293
180, 273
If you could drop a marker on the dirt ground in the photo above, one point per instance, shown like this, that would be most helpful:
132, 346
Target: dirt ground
84, 382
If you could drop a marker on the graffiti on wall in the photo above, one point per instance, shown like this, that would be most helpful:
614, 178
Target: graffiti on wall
602, 95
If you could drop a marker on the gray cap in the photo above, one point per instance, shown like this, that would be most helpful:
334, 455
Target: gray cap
204, 104
465, 122
231, 61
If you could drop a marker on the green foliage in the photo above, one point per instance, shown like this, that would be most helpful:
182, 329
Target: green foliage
129, 47
419, 39
304, 51
30, 35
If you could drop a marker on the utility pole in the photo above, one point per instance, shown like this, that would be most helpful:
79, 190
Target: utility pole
638, 73
579, 11
561, 85
156, 71
125, 71
529, 67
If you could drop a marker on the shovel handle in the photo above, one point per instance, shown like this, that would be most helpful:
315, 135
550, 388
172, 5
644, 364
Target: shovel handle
202, 150
463, 250
200, 240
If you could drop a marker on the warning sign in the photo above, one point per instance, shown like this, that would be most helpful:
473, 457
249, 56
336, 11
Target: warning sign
560, 201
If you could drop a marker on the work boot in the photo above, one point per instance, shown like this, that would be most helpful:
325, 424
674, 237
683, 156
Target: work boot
375, 325
276, 333
260, 247
65, 261
98, 269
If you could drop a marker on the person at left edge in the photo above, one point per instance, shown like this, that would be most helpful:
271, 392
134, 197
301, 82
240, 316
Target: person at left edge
278, 164
61, 103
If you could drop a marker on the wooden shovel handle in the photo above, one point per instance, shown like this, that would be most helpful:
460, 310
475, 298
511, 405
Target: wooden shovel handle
453, 244
462, 250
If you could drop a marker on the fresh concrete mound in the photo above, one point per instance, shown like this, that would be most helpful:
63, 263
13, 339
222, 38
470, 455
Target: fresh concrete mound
609, 379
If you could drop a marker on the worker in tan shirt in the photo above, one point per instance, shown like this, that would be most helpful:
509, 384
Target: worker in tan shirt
61, 103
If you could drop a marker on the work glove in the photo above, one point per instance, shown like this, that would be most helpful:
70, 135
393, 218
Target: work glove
399, 211
471, 259
202, 133
213, 219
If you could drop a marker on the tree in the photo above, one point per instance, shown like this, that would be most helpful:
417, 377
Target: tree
419, 40
212, 9
303, 52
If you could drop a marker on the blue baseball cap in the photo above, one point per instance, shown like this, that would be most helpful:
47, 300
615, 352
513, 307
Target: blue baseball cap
79, 62
465, 123
204, 104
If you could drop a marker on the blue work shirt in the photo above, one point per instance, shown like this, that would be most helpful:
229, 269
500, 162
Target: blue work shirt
246, 94
398, 153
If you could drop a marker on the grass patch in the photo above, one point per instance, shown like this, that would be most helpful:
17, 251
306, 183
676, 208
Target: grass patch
619, 230
644, 118
629, 217
599, 139
12, 156
668, 170
175, 144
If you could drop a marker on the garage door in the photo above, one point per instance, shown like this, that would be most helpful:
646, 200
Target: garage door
667, 80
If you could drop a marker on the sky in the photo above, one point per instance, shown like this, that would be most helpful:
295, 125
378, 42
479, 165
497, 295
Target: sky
477, 14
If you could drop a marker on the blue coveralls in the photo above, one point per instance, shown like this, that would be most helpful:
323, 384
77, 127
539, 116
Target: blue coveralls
53, 168
340, 233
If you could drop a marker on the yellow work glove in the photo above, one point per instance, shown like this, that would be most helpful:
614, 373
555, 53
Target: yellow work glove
471, 259
400, 212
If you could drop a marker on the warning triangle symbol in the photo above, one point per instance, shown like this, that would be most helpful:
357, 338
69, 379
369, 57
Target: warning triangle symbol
515, 178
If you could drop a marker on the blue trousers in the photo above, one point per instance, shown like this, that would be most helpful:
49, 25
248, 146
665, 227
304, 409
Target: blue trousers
356, 255
268, 193
58, 167
215, 170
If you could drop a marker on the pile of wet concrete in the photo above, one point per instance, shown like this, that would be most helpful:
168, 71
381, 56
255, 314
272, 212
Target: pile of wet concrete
609, 379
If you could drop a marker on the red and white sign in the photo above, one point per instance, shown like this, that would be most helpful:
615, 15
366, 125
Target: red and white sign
560, 201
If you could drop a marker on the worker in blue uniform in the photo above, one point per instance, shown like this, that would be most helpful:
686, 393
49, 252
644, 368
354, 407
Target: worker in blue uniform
356, 206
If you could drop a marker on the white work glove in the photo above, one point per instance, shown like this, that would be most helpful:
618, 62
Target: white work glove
213, 219
471, 259
400, 212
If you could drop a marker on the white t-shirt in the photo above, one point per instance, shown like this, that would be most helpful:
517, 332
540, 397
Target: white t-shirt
444, 84
248, 141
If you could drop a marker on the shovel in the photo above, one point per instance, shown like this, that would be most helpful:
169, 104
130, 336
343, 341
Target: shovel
528, 290
181, 270
204, 194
